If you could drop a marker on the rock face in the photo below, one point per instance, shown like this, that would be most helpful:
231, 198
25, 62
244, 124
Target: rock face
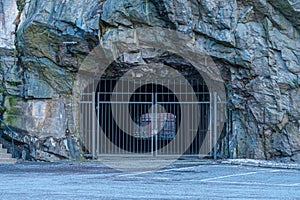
48, 41
255, 43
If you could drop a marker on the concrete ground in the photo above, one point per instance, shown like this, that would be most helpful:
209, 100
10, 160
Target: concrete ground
183, 179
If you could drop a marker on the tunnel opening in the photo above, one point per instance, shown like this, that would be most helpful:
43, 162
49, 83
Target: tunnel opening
142, 136
140, 109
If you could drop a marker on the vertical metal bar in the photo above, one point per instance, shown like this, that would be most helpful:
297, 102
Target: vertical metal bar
190, 131
87, 126
93, 124
104, 122
134, 127
132, 109
215, 125
210, 123
176, 111
103, 118
152, 123
112, 129
170, 111
179, 149
124, 145
109, 118
97, 124
156, 125
143, 109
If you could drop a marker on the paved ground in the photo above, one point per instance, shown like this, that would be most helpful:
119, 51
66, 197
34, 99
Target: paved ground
184, 179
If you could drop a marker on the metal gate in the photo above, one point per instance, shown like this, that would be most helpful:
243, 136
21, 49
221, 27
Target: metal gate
152, 119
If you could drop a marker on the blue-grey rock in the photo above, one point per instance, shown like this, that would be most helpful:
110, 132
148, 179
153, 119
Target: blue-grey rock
256, 45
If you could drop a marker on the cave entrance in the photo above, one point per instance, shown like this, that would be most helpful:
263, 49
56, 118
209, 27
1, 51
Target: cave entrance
158, 106
133, 116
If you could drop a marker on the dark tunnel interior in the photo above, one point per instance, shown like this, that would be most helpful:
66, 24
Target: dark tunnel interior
143, 139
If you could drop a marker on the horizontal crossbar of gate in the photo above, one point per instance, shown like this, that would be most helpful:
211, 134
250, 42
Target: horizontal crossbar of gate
132, 102
165, 93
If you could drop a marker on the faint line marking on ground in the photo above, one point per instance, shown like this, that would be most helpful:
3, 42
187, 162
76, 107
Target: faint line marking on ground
214, 179
241, 174
227, 176
256, 183
159, 171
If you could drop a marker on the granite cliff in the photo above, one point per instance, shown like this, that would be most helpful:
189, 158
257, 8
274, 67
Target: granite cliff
255, 43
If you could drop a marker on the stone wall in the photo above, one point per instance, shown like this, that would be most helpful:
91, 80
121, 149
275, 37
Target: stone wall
255, 43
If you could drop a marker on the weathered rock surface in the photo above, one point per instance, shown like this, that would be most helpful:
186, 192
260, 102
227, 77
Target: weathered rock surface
258, 43
39, 64
52, 39
255, 43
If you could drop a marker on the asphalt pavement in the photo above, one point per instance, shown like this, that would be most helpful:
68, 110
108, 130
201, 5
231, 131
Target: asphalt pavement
183, 179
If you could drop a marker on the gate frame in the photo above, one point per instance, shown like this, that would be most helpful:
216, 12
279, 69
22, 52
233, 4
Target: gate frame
212, 131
